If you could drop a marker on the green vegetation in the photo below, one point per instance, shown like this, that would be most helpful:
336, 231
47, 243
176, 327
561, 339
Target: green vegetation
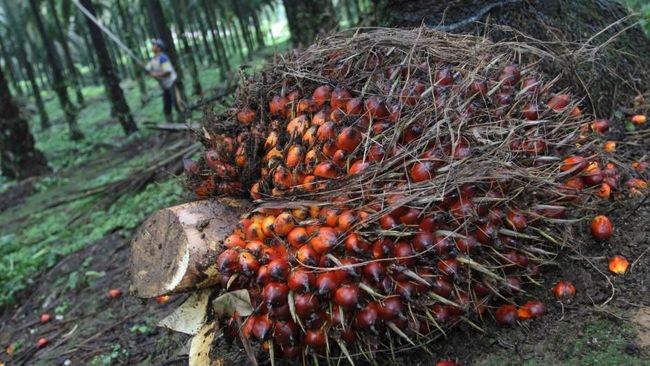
643, 8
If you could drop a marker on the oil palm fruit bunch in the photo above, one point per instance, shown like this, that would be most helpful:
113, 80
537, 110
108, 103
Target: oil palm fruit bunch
405, 185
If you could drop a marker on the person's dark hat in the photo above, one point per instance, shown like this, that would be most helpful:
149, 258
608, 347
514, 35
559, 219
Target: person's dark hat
159, 42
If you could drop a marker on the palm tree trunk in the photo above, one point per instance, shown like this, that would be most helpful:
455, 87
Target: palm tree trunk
63, 39
259, 36
19, 158
90, 56
187, 50
130, 42
308, 19
24, 63
218, 43
10, 68
112, 82
204, 37
57, 75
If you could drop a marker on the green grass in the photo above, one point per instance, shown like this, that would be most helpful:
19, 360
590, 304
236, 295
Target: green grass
41, 237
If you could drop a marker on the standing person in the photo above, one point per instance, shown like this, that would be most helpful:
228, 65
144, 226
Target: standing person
161, 68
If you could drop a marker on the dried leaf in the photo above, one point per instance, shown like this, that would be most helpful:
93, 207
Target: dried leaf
201, 345
234, 301
190, 316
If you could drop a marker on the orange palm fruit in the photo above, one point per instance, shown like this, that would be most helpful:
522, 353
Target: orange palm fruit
246, 116
326, 170
283, 224
295, 156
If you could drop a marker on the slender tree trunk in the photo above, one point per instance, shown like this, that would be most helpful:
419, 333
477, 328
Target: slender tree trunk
17, 41
196, 42
189, 53
222, 45
75, 78
308, 19
204, 37
4, 53
19, 158
114, 91
159, 23
130, 42
90, 57
57, 75
218, 44
259, 36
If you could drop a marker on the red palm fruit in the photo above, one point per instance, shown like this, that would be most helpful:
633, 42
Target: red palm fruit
255, 232
291, 352
329, 148
340, 98
535, 146
574, 185
374, 272
294, 95
322, 95
410, 217
307, 255
422, 241
592, 175
512, 285
329, 216
530, 86
275, 293
564, 290
441, 313
532, 308
337, 115
310, 136
558, 102
355, 245
306, 105
412, 132
316, 320
601, 228
326, 170
367, 318
205, 188
326, 131
478, 87
421, 171
404, 253
346, 220
468, 244
283, 224
574, 163
604, 191
267, 226
349, 139
448, 266
447, 363
443, 77
301, 280
347, 296
462, 209
503, 98
42, 342
375, 152
600, 126
315, 338
234, 241
506, 315
530, 111
358, 166
354, 106
282, 312
263, 277
510, 75
375, 108
391, 308
261, 327
429, 224
311, 158
463, 149
279, 269
297, 237
516, 220
277, 106
298, 126
295, 156
285, 333
228, 261
442, 287
248, 264
246, 116
394, 112
381, 248
387, 222
282, 178
324, 240
379, 127
305, 304
340, 158
327, 283
320, 117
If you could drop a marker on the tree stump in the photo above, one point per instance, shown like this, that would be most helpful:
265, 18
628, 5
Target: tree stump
175, 249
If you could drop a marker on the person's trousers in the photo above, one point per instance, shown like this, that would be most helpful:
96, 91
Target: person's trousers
169, 100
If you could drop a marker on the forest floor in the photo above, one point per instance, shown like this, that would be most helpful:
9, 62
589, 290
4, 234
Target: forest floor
64, 243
